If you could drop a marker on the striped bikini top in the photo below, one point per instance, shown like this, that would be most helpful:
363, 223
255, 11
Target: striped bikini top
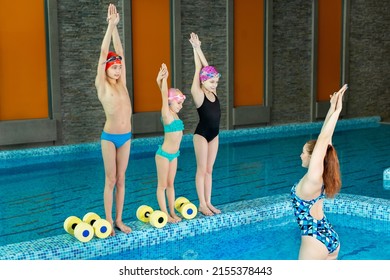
175, 125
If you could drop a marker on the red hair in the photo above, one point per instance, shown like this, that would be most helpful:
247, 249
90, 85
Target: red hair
331, 174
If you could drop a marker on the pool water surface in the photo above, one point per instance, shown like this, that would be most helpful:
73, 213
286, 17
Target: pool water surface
276, 239
42, 187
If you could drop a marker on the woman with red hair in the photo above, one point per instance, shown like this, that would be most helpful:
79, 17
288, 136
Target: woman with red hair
318, 238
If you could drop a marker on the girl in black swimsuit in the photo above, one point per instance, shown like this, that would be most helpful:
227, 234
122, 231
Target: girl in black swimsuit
206, 139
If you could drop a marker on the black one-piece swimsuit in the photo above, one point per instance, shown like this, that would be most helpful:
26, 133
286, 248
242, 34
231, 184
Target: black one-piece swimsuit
209, 118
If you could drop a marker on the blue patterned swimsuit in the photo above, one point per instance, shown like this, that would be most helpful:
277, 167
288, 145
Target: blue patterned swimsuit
319, 229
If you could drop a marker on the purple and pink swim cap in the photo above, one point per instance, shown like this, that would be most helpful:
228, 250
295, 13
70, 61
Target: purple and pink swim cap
208, 72
175, 94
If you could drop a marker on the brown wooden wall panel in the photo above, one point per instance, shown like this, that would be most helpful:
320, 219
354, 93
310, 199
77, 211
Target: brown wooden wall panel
329, 48
151, 47
23, 65
248, 52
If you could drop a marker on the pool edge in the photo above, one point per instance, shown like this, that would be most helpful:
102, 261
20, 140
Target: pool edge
66, 247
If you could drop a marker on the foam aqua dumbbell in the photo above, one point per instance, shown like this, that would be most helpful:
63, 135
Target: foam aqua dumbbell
156, 218
79, 229
187, 209
102, 228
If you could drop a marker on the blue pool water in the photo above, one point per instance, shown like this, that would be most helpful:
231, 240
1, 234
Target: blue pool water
276, 239
42, 187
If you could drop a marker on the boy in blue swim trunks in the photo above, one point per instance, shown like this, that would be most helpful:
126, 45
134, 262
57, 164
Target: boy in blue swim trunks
111, 88
319, 240
169, 151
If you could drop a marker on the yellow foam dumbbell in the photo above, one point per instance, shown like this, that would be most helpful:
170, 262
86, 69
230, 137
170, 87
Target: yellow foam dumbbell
156, 218
102, 227
187, 209
79, 229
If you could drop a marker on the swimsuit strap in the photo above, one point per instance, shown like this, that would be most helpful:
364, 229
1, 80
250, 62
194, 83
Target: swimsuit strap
175, 125
205, 96
309, 202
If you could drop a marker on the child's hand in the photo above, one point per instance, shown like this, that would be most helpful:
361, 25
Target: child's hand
194, 40
112, 14
164, 70
163, 73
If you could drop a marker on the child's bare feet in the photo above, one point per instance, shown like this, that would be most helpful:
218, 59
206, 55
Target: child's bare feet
176, 217
171, 220
205, 211
122, 227
213, 209
112, 227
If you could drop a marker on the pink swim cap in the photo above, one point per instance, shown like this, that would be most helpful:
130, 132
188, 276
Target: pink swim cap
208, 72
113, 58
175, 94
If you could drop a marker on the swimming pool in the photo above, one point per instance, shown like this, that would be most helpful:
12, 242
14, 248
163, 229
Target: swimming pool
57, 182
370, 216
271, 239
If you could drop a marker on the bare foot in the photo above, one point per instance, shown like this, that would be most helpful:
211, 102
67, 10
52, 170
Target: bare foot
112, 228
213, 209
122, 227
176, 218
171, 220
205, 211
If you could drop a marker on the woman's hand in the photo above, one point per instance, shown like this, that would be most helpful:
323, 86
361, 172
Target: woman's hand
335, 95
337, 98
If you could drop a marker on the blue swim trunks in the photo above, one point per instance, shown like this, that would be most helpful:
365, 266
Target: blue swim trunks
168, 156
117, 139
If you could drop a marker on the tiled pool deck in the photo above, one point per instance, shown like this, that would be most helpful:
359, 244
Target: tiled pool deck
234, 214
66, 247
